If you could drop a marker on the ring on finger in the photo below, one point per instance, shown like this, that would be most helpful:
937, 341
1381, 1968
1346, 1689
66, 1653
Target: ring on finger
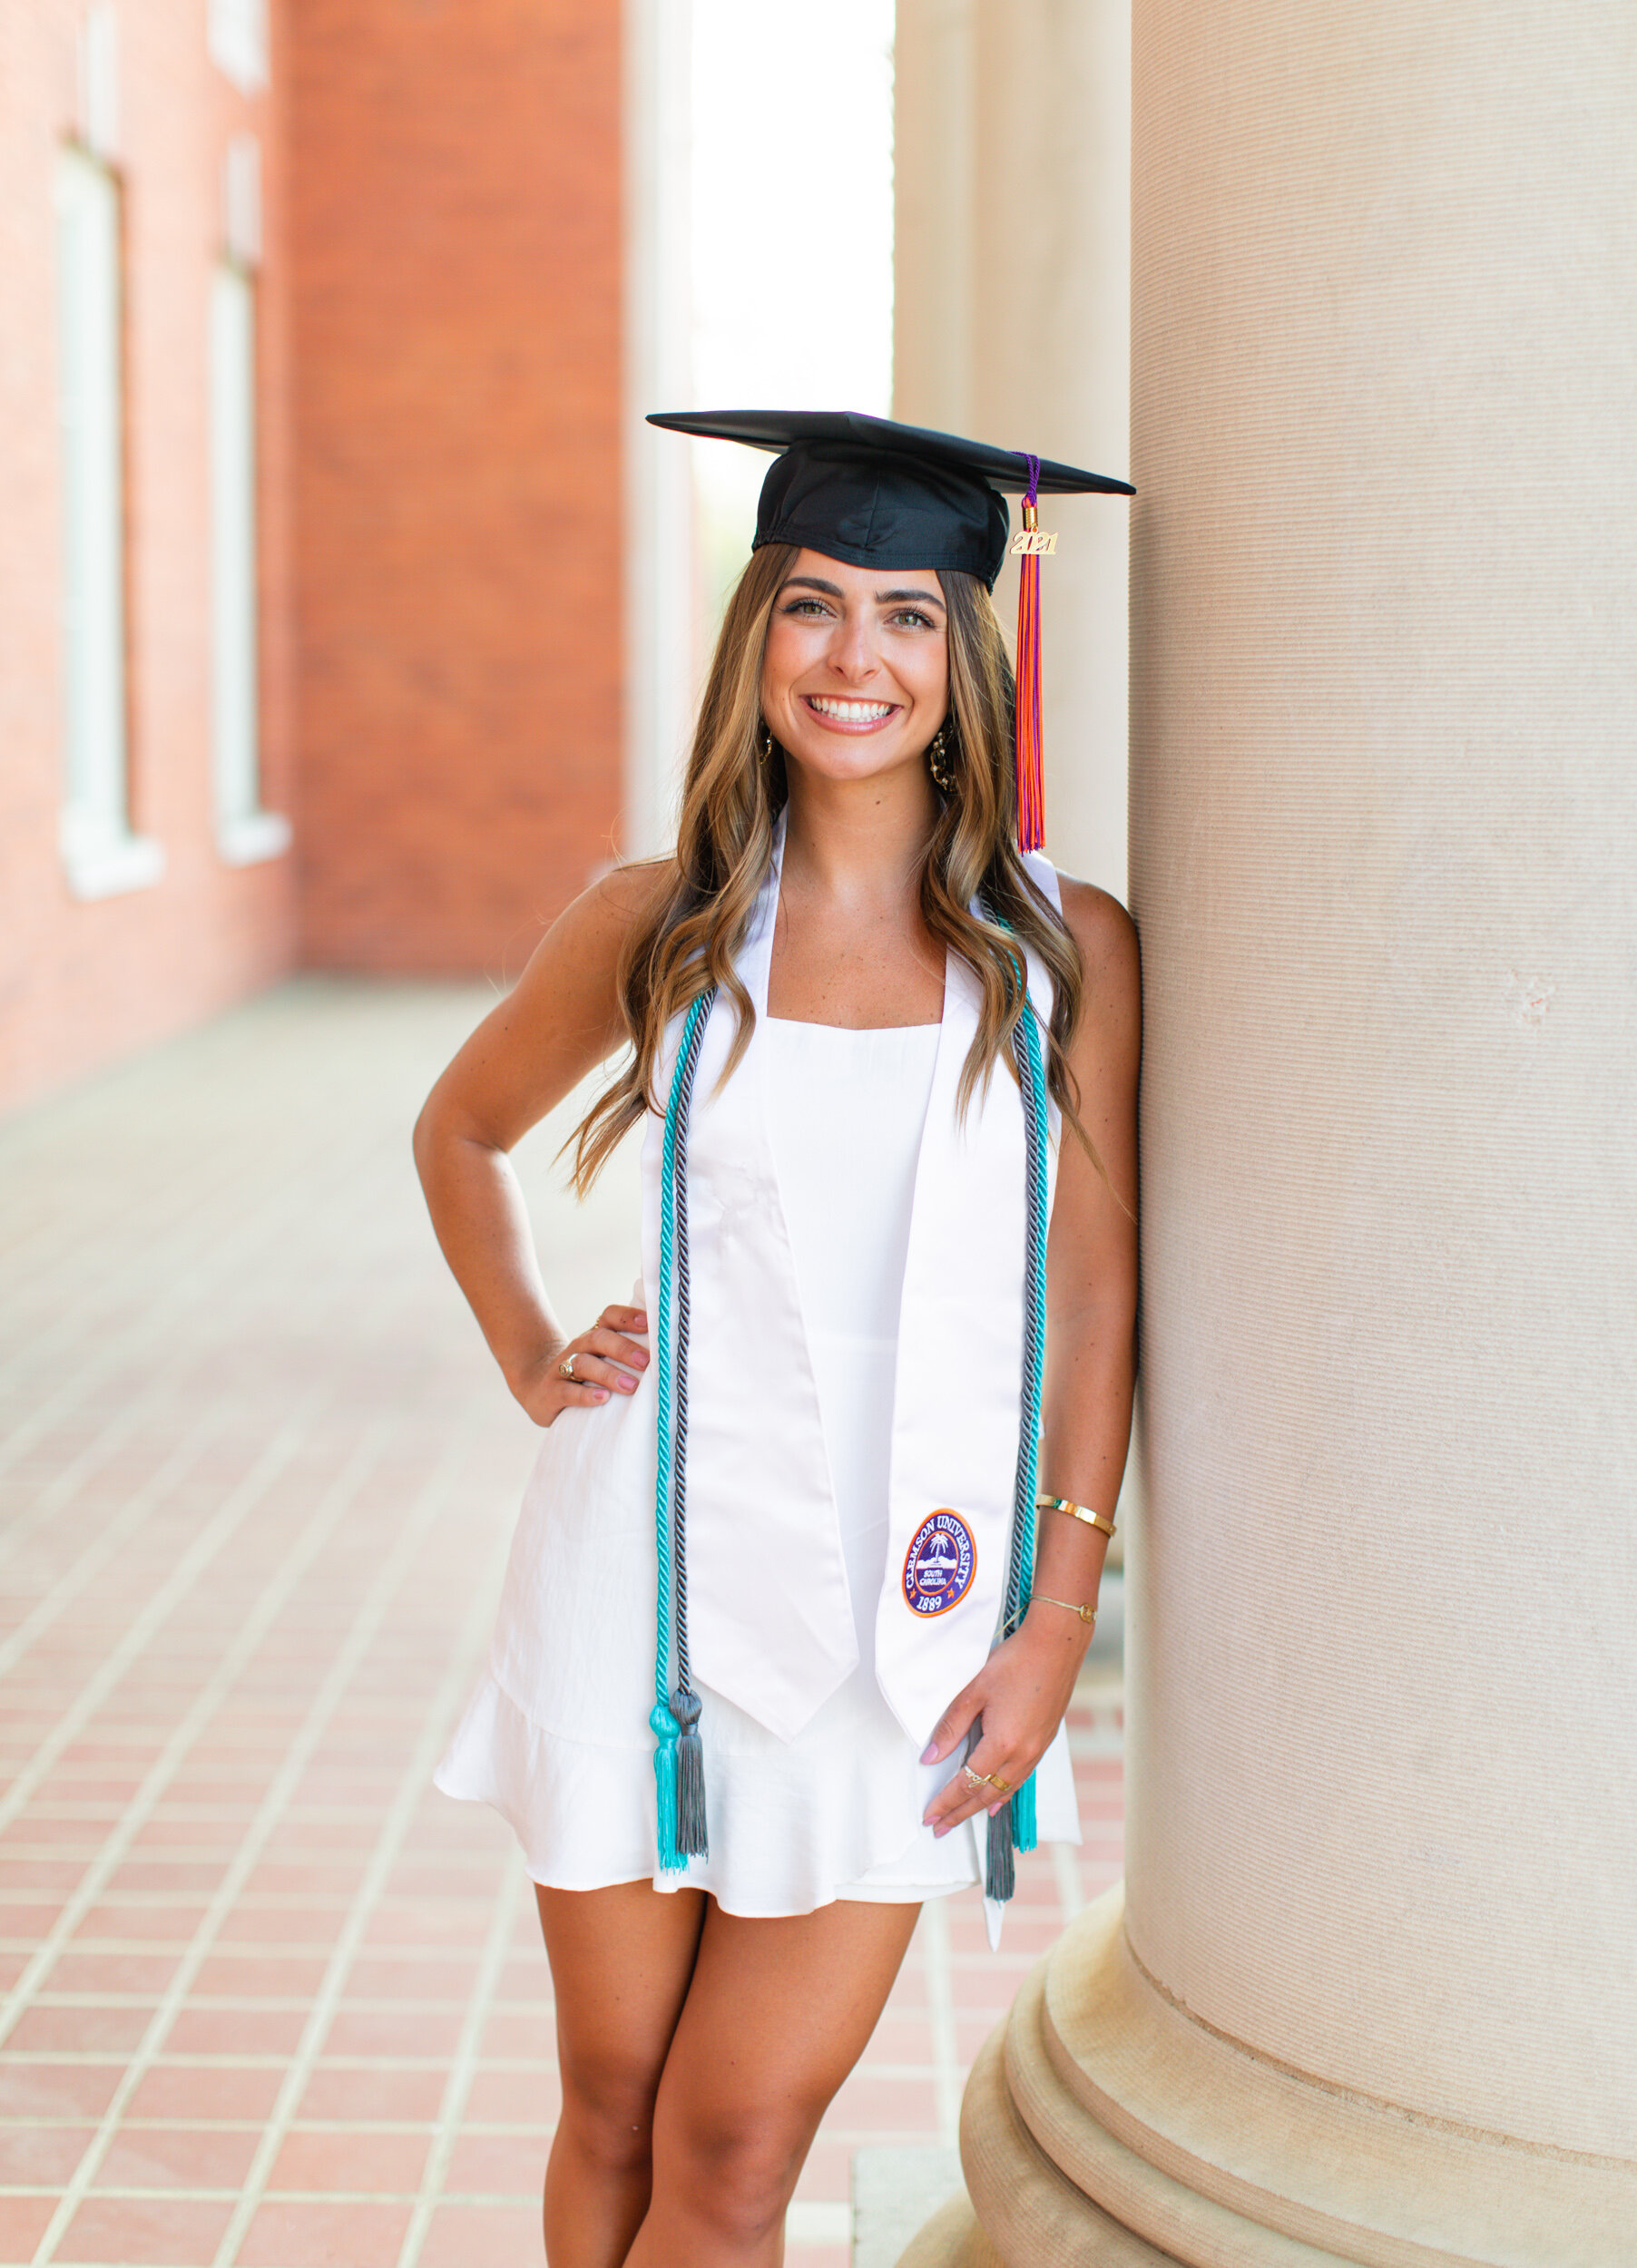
566, 1366
985, 1779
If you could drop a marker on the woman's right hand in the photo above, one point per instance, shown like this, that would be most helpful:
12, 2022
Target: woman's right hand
606, 1359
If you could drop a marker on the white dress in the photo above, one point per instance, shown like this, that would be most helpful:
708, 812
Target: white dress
835, 1813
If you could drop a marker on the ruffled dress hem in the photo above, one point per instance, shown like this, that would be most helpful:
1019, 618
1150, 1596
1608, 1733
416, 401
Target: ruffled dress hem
785, 1840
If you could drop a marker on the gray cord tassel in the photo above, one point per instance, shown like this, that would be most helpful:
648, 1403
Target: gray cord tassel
1000, 1877
691, 1837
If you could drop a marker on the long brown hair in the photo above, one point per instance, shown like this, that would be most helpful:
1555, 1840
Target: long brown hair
688, 935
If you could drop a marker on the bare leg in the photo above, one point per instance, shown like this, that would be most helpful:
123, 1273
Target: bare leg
776, 2015
621, 1963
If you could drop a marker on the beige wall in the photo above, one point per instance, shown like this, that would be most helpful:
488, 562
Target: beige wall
659, 666
1012, 324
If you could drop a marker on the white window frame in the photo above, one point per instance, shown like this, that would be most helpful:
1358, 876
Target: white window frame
236, 35
245, 832
100, 854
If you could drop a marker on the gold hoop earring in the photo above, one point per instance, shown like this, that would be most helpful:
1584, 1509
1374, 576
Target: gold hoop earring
939, 762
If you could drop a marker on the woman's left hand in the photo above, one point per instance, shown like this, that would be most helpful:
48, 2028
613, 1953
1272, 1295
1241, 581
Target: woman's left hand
1021, 1694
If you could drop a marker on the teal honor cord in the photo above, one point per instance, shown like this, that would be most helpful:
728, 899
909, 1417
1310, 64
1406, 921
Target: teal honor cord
679, 1769
1014, 1826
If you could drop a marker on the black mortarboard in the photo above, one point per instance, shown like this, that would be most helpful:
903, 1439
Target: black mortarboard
877, 494
880, 494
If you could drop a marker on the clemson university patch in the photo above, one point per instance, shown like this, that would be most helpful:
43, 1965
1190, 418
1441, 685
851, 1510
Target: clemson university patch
939, 1563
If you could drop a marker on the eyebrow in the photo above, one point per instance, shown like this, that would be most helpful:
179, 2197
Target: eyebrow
883, 597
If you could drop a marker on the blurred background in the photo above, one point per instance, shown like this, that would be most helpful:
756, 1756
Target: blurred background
350, 618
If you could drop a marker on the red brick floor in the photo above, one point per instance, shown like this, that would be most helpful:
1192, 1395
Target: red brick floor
270, 1999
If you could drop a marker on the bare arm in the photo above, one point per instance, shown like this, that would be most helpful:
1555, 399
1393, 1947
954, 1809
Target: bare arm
1024, 1687
557, 1024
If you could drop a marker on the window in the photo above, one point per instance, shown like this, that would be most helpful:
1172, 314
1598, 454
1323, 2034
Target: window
244, 832
237, 38
102, 854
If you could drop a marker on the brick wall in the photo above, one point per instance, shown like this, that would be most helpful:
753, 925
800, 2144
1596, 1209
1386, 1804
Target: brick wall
438, 343
81, 983
455, 223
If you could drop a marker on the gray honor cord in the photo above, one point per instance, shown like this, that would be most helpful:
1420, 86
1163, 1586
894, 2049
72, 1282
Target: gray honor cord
693, 1837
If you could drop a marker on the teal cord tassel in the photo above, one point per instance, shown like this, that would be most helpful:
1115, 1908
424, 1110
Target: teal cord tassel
690, 1833
1023, 1831
671, 1860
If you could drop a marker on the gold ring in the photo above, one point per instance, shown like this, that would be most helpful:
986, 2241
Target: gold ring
1001, 1788
567, 1367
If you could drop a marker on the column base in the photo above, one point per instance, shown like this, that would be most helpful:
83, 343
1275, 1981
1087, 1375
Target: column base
1102, 2125
953, 2238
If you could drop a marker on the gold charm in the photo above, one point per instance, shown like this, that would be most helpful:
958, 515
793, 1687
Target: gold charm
1030, 541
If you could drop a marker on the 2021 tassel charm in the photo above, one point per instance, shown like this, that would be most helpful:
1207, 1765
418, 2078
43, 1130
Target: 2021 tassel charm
1028, 547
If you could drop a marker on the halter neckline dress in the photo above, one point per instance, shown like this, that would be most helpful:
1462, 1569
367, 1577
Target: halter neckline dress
834, 1812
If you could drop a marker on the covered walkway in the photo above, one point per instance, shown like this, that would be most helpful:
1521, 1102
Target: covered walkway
270, 1999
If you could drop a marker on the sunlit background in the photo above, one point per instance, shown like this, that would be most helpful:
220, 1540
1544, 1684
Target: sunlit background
358, 617
792, 234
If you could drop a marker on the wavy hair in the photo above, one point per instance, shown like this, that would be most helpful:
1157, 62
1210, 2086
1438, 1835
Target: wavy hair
687, 936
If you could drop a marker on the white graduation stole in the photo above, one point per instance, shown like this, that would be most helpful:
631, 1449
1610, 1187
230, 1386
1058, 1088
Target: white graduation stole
770, 1619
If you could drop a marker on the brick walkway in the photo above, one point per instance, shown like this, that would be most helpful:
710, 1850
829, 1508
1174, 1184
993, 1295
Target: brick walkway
270, 1999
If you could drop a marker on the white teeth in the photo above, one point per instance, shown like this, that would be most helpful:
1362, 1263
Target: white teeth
851, 713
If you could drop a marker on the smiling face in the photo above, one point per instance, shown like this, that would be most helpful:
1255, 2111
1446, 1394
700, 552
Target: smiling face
855, 679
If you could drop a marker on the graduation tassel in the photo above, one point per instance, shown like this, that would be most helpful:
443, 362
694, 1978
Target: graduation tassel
1028, 546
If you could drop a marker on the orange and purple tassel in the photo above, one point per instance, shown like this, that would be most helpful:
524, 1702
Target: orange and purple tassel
1031, 773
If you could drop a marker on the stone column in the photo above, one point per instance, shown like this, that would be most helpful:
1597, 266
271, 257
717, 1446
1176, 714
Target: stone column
1011, 323
1371, 1994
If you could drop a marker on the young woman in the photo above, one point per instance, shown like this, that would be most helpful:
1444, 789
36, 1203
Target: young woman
782, 1651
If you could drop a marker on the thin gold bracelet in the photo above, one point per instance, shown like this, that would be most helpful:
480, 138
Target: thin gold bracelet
1044, 1503
1088, 1615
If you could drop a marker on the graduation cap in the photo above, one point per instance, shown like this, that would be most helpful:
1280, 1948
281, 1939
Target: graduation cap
877, 494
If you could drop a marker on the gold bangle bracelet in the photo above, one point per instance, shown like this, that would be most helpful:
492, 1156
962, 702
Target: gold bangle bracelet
1100, 1521
1088, 1615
